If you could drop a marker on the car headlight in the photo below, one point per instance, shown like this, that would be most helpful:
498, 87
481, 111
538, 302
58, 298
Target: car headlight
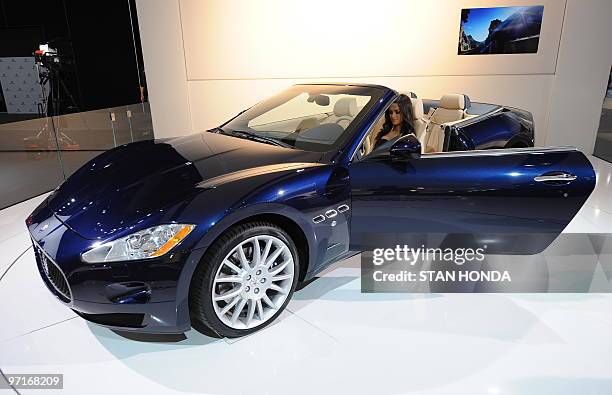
147, 243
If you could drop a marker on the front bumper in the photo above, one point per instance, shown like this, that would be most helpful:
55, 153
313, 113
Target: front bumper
139, 296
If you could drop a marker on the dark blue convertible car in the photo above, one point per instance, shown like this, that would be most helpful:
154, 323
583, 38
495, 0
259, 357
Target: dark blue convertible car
216, 229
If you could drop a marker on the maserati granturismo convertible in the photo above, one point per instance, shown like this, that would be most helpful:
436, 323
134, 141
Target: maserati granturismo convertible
215, 230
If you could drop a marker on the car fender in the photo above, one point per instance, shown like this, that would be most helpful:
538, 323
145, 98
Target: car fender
302, 196
236, 216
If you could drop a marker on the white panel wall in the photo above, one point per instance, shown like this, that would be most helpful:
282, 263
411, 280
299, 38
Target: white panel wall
582, 74
234, 39
234, 53
164, 58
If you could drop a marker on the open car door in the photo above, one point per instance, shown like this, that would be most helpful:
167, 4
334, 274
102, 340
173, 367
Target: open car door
514, 200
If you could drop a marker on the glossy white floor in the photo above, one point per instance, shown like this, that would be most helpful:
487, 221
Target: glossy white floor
331, 339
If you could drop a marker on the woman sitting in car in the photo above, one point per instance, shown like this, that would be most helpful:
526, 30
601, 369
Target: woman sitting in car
398, 121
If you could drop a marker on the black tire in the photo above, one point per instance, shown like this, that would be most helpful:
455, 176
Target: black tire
203, 316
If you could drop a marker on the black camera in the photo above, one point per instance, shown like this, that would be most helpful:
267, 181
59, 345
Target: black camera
47, 57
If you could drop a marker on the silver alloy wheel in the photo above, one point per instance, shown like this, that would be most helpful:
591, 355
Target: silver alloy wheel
253, 282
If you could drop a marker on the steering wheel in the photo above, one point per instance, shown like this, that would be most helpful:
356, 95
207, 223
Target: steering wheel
291, 138
384, 147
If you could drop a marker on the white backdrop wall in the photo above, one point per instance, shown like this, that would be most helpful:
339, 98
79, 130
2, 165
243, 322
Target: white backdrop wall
20, 85
162, 48
583, 67
207, 60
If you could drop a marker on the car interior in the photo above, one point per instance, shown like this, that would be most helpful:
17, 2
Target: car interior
344, 110
326, 126
329, 118
430, 127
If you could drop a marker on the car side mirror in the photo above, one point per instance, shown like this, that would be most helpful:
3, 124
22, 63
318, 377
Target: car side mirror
406, 147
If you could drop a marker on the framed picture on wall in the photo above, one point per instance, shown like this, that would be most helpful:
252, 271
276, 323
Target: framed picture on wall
500, 30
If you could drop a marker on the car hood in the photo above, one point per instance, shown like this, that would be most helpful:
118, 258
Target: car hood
129, 184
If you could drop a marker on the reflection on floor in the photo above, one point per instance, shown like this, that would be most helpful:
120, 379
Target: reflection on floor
331, 339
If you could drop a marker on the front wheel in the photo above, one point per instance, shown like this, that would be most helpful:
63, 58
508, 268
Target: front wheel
245, 279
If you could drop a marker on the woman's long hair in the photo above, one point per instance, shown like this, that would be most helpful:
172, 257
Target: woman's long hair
405, 107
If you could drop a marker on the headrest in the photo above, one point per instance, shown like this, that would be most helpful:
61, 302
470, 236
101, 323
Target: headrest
346, 106
417, 108
410, 94
307, 123
455, 102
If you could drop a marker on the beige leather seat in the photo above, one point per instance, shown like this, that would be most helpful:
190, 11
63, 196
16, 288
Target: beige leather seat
307, 123
345, 110
451, 109
420, 126
368, 144
410, 94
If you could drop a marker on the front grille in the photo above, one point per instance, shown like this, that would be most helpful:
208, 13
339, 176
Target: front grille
53, 275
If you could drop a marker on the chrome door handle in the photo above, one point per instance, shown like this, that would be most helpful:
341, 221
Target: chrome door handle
565, 177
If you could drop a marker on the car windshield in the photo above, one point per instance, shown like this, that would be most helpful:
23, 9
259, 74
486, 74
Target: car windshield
307, 117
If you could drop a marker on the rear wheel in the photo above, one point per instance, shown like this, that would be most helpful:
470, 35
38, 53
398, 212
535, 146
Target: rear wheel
245, 279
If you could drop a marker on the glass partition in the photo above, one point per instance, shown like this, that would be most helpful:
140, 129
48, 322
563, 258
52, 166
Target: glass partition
37, 154
71, 86
603, 143
29, 160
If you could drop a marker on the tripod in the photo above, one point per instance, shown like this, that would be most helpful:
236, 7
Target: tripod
51, 107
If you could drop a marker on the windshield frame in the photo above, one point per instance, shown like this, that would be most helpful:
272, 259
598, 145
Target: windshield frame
376, 93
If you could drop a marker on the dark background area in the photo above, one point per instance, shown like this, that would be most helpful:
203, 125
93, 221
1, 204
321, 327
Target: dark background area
101, 60
96, 93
